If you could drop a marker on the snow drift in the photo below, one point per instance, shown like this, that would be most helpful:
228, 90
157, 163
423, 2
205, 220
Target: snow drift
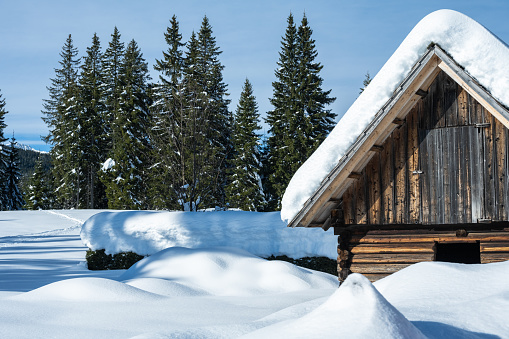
225, 272
146, 233
482, 54
355, 310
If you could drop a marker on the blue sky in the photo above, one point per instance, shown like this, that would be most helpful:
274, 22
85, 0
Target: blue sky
352, 37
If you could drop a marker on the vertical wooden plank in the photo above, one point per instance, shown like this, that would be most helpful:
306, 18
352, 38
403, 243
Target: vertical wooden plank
462, 102
387, 183
476, 173
500, 144
360, 200
348, 211
438, 102
373, 177
490, 169
460, 181
506, 184
399, 174
450, 106
439, 174
413, 165
424, 177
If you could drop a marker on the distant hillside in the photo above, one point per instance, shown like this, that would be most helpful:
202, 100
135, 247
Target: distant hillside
28, 157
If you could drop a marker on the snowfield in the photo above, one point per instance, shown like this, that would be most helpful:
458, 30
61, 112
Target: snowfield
227, 292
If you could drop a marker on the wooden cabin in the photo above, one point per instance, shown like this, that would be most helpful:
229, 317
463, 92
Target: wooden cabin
428, 179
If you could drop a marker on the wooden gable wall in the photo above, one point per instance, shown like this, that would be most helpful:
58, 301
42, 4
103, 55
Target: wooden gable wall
446, 164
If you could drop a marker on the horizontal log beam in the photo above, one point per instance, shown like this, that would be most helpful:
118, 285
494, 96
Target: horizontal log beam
392, 248
494, 247
374, 277
492, 257
443, 238
397, 258
374, 268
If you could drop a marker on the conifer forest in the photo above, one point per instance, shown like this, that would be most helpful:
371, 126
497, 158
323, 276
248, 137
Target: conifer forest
122, 140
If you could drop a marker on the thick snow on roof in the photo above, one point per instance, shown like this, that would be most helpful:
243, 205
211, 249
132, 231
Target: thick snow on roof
483, 56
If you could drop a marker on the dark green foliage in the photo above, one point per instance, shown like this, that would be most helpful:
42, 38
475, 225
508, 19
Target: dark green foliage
112, 63
244, 190
61, 115
38, 192
322, 264
99, 260
126, 180
366, 82
3, 154
191, 126
299, 121
13, 199
91, 121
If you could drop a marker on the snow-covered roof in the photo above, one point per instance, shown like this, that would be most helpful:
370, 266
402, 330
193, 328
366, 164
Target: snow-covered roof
482, 55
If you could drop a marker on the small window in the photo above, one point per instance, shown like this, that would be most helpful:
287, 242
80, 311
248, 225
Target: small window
462, 253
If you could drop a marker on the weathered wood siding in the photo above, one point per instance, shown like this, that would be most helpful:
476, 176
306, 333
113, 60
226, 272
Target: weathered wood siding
447, 164
378, 253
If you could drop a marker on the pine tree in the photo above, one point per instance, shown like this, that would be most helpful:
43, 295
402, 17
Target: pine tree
365, 83
112, 63
299, 121
167, 130
279, 156
3, 154
92, 113
312, 97
217, 118
62, 117
38, 195
126, 179
244, 190
13, 196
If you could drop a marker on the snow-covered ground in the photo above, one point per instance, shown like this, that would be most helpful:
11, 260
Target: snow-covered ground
47, 292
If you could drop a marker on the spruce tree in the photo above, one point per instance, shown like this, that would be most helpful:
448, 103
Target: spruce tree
280, 156
3, 153
312, 97
92, 112
12, 194
38, 195
299, 121
112, 63
126, 180
167, 132
244, 190
61, 112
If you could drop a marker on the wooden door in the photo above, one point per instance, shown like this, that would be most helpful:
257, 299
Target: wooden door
451, 175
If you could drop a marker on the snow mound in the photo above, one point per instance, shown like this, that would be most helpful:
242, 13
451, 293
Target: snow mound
146, 233
88, 289
355, 310
165, 287
482, 54
227, 272
444, 282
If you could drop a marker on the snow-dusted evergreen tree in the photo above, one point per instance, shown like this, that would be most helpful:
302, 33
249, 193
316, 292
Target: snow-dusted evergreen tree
194, 122
126, 179
61, 112
112, 63
280, 143
167, 133
213, 111
312, 98
299, 121
92, 142
38, 195
3, 154
12, 194
244, 190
